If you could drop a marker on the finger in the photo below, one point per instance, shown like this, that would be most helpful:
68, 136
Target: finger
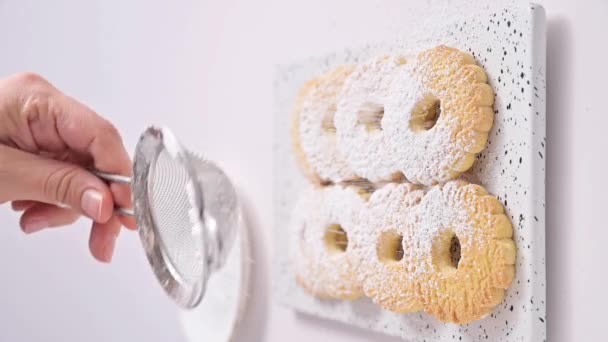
52, 121
17, 94
86, 132
103, 239
50, 181
22, 205
42, 116
25, 204
42, 215
128, 222
121, 193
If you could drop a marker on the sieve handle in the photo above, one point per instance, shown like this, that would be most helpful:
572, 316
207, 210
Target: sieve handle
110, 177
114, 178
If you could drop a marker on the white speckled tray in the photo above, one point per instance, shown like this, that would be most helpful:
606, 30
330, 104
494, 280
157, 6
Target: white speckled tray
509, 42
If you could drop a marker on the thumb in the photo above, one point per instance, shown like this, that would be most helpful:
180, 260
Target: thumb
26, 176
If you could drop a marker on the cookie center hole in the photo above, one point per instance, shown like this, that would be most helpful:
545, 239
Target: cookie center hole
425, 114
455, 251
370, 115
446, 252
390, 247
336, 239
328, 120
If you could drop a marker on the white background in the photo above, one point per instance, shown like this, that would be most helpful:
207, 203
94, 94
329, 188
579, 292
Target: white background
205, 68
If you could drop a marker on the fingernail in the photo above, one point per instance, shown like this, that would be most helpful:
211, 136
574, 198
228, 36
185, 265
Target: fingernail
108, 249
91, 203
34, 225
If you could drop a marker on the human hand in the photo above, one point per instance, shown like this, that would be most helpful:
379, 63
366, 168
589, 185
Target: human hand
47, 142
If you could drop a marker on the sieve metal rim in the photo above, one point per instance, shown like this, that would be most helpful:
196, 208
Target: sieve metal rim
151, 143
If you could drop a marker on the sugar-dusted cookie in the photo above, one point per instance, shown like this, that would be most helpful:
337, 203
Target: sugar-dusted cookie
381, 245
360, 119
313, 130
463, 251
321, 251
440, 114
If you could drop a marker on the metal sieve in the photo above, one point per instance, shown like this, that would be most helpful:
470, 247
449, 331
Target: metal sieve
186, 210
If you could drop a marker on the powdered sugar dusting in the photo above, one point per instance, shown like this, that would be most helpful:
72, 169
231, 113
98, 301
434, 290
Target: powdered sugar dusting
424, 224
321, 271
366, 152
317, 136
412, 139
389, 283
437, 77
470, 290
427, 146
424, 277
438, 211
